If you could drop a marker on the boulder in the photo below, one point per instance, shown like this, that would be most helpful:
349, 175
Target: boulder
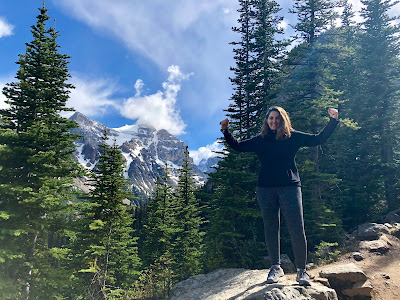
370, 231
224, 284
346, 272
348, 280
395, 230
380, 246
358, 256
360, 289
393, 217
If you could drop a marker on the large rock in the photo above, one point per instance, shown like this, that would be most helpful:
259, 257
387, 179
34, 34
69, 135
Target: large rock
348, 280
346, 272
239, 284
393, 217
370, 231
378, 246
359, 289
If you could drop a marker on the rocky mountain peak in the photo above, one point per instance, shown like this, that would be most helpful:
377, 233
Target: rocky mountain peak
146, 151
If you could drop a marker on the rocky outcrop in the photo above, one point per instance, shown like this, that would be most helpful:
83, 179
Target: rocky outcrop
393, 217
381, 245
224, 284
349, 281
371, 231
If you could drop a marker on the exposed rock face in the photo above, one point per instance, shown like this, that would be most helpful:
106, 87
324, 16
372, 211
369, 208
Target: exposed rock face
382, 245
238, 284
371, 231
146, 151
348, 272
393, 217
348, 280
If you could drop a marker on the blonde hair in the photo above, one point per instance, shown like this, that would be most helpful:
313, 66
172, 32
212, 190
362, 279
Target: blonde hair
283, 132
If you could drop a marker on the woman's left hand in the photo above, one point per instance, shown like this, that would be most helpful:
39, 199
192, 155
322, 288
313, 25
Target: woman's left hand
333, 112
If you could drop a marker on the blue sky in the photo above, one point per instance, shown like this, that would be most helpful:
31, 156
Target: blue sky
159, 62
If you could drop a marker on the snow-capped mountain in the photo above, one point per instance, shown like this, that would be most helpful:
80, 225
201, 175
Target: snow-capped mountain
146, 151
208, 165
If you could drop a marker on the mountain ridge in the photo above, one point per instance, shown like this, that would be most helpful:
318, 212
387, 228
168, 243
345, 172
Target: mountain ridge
145, 149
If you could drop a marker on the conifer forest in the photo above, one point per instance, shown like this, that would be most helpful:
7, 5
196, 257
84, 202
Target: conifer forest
57, 242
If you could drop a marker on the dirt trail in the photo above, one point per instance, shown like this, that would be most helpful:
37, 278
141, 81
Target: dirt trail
383, 271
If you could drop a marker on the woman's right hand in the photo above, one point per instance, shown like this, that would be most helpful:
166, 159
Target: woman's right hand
224, 124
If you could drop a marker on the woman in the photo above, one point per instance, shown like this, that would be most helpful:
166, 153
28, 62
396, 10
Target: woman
278, 186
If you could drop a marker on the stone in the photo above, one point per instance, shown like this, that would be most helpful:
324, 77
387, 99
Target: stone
395, 230
310, 266
224, 284
379, 246
346, 272
323, 281
359, 289
358, 256
393, 217
370, 231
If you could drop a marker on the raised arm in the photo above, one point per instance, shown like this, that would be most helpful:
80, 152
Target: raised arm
249, 145
310, 140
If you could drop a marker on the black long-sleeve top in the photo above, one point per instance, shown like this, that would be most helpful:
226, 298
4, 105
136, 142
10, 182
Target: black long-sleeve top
278, 164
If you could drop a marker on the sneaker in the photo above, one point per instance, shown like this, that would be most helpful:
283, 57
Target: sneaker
275, 272
302, 277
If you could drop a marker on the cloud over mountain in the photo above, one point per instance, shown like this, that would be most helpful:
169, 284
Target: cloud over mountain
158, 110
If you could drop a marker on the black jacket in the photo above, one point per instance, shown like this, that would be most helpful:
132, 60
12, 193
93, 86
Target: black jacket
278, 164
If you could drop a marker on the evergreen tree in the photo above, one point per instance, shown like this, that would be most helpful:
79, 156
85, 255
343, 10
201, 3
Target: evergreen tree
379, 64
370, 168
159, 228
159, 233
187, 247
234, 203
268, 53
307, 93
106, 249
36, 169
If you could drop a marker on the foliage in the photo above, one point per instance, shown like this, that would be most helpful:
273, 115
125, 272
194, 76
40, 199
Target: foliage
325, 253
36, 171
105, 249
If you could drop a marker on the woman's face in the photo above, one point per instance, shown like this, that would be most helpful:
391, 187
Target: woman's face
274, 120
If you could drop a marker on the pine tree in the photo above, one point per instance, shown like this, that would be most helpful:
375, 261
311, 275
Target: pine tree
106, 248
187, 246
268, 53
159, 228
36, 169
243, 109
159, 233
379, 64
370, 168
307, 93
257, 57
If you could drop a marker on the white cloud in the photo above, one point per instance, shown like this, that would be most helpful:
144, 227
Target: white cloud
92, 97
158, 110
283, 24
206, 152
139, 87
6, 29
192, 34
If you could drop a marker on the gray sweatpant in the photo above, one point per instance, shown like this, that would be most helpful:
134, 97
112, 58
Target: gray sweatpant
288, 199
